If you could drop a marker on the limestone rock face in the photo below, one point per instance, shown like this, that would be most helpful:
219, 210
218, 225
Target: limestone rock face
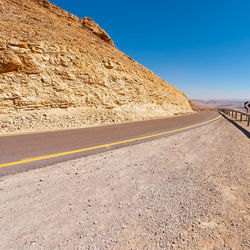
52, 63
9, 62
95, 28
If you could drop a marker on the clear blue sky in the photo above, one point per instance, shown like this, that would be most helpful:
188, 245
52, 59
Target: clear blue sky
201, 47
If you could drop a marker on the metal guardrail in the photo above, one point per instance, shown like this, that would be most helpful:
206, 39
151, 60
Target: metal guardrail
234, 114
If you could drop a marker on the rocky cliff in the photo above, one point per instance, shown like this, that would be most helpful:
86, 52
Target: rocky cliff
57, 70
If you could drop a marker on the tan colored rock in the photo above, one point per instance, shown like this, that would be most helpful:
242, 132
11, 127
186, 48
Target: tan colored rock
193, 107
9, 62
50, 63
44, 3
95, 28
108, 64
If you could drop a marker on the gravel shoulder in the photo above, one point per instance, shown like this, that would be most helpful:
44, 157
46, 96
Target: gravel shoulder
186, 191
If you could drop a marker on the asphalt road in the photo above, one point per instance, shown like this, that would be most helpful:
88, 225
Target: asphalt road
15, 149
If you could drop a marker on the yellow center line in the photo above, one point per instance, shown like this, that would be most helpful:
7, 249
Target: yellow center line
100, 146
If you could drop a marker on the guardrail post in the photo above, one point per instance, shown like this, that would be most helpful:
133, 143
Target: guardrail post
234, 114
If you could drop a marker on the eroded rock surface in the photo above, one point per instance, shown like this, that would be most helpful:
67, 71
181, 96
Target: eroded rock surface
89, 24
55, 63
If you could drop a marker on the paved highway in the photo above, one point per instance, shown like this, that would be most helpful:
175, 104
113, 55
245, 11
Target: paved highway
27, 151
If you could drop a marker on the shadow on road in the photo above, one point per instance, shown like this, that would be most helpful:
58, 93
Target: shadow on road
244, 131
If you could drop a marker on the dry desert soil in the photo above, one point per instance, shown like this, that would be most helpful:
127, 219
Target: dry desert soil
186, 191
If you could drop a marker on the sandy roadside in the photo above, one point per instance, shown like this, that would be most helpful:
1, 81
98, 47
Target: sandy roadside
51, 127
190, 190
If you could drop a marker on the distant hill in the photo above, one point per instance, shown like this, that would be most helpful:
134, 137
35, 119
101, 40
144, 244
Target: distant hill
211, 104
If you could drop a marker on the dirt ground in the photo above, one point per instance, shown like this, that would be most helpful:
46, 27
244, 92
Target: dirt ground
186, 191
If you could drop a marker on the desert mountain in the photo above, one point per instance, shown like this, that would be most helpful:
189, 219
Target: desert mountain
213, 104
57, 70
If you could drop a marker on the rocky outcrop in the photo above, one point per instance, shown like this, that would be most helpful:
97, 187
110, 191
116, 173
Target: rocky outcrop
9, 62
14, 58
56, 10
89, 24
193, 107
86, 22
55, 64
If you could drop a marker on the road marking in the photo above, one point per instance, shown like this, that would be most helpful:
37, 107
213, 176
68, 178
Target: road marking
101, 146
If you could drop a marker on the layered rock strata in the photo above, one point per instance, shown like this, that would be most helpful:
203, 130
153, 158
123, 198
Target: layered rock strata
59, 71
